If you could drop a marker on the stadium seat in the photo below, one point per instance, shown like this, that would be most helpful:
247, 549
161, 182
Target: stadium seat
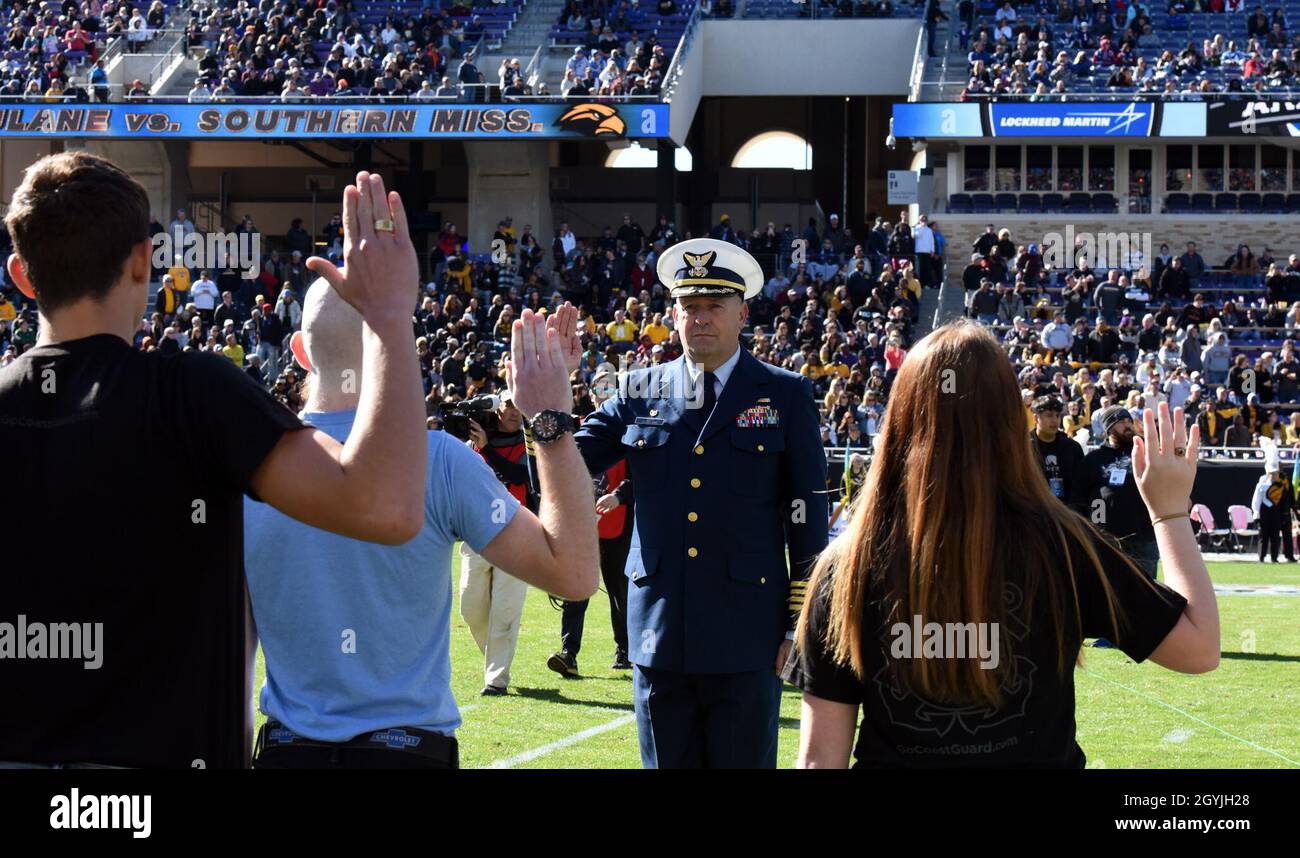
1053, 203
1274, 203
1177, 203
1104, 204
1031, 203
1293, 203
1078, 203
1005, 202
1250, 203
982, 202
959, 204
1225, 203
1202, 202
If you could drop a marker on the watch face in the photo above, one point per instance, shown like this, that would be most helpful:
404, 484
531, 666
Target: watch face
545, 426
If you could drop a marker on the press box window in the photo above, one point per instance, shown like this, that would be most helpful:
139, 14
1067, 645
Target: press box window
1241, 168
1209, 168
1101, 168
1178, 169
1272, 168
1038, 168
1008, 164
977, 168
1069, 169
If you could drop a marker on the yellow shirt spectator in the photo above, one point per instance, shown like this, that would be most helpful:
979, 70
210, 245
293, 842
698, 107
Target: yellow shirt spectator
621, 332
656, 333
8, 312
235, 353
458, 272
180, 282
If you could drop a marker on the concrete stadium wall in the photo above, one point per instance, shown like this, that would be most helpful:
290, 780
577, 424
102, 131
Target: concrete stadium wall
855, 56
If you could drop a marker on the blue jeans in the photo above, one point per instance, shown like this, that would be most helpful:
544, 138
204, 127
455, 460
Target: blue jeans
1144, 552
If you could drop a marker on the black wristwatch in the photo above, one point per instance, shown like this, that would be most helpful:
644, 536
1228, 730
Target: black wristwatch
550, 425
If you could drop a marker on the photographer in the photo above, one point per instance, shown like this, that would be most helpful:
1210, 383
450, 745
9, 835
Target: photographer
336, 702
492, 601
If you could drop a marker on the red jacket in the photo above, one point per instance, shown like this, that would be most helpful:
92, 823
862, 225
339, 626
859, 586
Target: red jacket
613, 523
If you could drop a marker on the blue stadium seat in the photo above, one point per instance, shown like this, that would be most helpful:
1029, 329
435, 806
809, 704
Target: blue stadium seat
1177, 203
1293, 203
1104, 204
1225, 203
1053, 203
1005, 202
1031, 203
1078, 203
1250, 203
982, 203
1202, 202
1273, 203
959, 204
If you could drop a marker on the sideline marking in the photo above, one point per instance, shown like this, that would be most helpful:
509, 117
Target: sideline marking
528, 756
1173, 708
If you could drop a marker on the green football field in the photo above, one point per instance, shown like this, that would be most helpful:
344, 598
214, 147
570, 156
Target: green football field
1246, 714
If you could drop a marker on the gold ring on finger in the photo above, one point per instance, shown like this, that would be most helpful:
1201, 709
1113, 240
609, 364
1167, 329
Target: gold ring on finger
383, 225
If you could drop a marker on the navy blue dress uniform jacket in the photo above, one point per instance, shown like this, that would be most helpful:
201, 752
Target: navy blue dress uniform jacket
716, 507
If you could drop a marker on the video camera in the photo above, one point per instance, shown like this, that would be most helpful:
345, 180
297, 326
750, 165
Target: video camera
481, 409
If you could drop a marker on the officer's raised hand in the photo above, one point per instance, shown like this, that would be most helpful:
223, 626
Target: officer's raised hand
565, 322
536, 372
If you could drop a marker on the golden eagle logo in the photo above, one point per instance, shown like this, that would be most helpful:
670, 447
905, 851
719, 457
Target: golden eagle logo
699, 262
593, 119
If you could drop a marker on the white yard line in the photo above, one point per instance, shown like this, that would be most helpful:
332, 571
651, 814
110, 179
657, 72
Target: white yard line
1201, 721
528, 756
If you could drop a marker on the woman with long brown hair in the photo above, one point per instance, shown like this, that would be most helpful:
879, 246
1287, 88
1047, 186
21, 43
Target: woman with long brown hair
953, 608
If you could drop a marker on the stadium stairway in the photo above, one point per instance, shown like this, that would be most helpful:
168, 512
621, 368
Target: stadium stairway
530, 30
940, 306
945, 75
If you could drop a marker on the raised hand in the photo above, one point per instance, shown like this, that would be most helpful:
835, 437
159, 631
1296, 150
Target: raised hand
564, 321
1164, 461
536, 372
380, 273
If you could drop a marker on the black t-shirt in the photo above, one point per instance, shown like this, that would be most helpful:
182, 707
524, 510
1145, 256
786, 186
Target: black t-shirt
1035, 726
130, 469
1059, 461
1106, 473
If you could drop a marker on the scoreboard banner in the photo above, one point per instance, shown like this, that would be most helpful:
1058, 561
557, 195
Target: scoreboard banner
1078, 119
1260, 117
1064, 119
321, 120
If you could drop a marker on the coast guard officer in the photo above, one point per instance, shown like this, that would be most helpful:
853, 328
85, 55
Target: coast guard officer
728, 471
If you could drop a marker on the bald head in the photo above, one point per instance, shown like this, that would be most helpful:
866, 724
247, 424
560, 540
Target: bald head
331, 332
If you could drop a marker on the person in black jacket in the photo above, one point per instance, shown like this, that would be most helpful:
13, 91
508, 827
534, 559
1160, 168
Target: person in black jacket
1106, 475
1059, 455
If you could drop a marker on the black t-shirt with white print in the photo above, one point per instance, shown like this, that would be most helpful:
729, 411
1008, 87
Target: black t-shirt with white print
1035, 726
127, 471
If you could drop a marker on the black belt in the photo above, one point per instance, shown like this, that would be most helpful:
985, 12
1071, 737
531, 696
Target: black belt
409, 740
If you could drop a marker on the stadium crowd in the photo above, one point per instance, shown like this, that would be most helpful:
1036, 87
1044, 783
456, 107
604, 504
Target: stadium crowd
1046, 50
1220, 343
45, 42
